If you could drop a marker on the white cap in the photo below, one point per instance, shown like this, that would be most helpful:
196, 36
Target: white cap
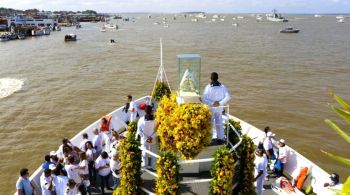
270, 134
52, 153
282, 141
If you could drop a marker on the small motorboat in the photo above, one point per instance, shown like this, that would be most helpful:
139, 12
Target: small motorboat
289, 30
21, 36
70, 37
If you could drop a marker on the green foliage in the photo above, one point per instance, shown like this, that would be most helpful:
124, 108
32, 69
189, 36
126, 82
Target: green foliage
130, 162
168, 174
232, 136
345, 114
245, 169
161, 89
222, 171
184, 129
346, 187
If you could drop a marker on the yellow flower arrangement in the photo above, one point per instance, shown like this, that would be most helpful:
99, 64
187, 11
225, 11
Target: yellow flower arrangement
168, 174
222, 171
184, 129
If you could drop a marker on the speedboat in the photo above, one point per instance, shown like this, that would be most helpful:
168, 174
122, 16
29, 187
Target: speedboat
70, 37
4, 38
289, 30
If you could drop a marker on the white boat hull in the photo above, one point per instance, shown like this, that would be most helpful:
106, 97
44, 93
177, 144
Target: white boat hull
292, 168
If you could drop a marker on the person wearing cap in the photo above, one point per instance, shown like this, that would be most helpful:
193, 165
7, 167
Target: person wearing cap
216, 96
268, 145
282, 155
260, 170
334, 183
46, 182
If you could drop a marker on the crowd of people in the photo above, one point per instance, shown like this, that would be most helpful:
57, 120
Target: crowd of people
75, 169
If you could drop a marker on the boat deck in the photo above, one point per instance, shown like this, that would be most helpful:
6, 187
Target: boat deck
188, 189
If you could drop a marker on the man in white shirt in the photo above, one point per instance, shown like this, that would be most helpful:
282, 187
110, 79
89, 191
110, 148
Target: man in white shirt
282, 155
132, 109
60, 182
83, 142
260, 170
46, 183
103, 170
97, 142
72, 170
268, 146
146, 130
216, 96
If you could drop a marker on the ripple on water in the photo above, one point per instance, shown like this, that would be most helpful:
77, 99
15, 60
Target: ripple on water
8, 86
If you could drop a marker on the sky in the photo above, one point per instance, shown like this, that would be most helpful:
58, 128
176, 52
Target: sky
176, 6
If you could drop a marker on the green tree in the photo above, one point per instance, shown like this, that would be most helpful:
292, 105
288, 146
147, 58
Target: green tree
344, 113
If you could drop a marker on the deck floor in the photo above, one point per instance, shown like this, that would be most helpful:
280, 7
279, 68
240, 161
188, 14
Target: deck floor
187, 189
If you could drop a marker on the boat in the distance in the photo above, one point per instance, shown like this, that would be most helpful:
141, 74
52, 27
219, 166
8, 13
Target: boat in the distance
289, 30
275, 17
70, 37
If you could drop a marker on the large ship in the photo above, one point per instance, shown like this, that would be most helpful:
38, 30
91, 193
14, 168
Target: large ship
275, 17
189, 93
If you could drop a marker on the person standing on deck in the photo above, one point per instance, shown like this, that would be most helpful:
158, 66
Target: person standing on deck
260, 170
146, 130
132, 110
23, 184
216, 96
282, 155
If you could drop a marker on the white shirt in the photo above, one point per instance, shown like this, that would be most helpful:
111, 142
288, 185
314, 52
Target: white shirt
73, 173
84, 164
216, 93
100, 162
45, 184
146, 129
82, 144
90, 154
97, 142
115, 166
283, 152
267, 144
60, 183
259, 166
132, 113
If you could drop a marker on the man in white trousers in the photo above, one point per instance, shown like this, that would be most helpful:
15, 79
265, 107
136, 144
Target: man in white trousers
216, 96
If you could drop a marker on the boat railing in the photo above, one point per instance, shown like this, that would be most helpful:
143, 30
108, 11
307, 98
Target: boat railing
181, 162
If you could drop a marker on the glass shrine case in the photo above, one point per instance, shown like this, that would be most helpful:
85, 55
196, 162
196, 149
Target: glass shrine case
189, 69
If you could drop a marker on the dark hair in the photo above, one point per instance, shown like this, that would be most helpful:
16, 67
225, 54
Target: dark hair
82, 156
214, 76
129, 97
149, 115
85, 135
65, 140
47, 171
23, 172
104, 155
71, 159
267, 128
82, 189
47, 158
88, 142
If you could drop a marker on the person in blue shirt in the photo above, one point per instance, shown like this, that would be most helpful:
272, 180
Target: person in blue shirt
47, 162
23, 185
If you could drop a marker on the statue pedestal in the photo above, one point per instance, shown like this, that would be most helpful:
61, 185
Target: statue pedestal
188, 97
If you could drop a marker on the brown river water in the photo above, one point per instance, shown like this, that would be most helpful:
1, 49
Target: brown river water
279, 80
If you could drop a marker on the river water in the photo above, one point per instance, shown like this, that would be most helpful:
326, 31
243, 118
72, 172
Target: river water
279, 80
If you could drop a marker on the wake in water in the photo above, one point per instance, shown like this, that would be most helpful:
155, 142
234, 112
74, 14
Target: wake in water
9, 86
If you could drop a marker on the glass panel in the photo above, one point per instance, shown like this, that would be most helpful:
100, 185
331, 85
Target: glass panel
189, 66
